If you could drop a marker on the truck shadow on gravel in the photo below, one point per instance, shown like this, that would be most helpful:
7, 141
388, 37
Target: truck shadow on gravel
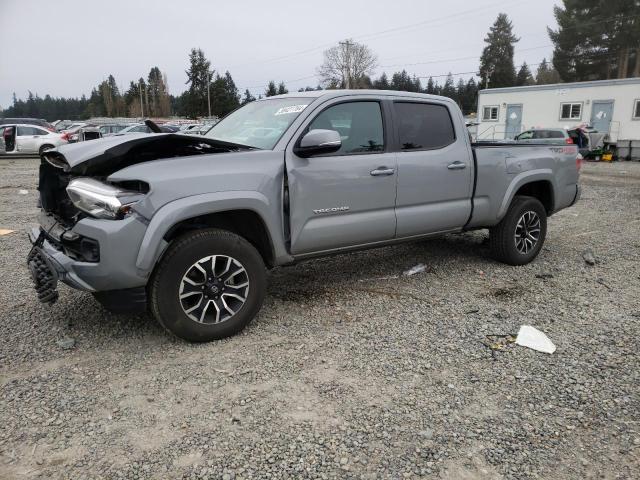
331, 275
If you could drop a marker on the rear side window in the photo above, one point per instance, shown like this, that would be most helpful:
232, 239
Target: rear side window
424, 126
41, 132
358, 123
27, 131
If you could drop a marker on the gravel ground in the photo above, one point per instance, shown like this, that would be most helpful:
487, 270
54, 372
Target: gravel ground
351, 370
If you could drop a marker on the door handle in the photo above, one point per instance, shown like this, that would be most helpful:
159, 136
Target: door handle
382, 171
457, 166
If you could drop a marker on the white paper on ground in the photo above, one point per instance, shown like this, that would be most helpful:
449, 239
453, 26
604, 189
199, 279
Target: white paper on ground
419, 268
533, 338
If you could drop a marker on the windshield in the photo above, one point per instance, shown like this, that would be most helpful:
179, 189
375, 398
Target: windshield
259, 124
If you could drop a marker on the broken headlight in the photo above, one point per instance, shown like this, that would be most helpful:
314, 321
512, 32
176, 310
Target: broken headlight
101, 200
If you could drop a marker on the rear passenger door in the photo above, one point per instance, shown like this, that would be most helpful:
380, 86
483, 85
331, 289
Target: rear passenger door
435, 168
27, 139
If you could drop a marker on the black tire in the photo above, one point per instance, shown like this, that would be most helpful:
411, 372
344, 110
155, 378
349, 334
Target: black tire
504, 245
44, 148
183, 254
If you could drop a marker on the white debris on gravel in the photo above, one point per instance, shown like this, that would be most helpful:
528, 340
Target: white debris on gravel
533, 338
419, 268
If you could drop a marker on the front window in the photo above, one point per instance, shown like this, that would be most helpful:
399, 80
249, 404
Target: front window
571, 111
259, 124
358, 123
490, 114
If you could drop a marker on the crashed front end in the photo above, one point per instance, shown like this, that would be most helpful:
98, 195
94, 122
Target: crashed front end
89, 232
84, 240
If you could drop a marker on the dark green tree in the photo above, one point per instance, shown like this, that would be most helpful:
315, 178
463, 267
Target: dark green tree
596, 39
247, 97
224, 95
282, 89
198, 78
431, 87
448, 89
524, 76
382, 83
546, 74
271, 89
496, 61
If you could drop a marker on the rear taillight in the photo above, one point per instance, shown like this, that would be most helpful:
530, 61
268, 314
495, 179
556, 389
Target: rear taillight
65, 136
569, 141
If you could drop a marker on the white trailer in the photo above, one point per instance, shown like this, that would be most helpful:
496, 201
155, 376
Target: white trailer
608, 106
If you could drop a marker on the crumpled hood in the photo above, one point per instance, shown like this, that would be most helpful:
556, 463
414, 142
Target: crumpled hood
107, 155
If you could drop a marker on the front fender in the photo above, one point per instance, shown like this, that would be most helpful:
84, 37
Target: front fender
153, 243
522, 179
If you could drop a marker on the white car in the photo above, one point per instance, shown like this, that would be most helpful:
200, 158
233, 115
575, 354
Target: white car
21, 139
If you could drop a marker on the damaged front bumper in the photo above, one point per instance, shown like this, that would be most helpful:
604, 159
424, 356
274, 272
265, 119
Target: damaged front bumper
117, 243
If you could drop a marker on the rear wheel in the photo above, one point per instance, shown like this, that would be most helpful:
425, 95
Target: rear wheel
209, 285
519, 237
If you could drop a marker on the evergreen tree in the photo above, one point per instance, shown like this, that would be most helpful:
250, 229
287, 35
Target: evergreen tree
224, 95
469, 102
382, 83
597, 39
524, 76
496, 62
546, 74
248, 97
282, 89
448, 90
431, 87
403, 82
198, 79
271, 89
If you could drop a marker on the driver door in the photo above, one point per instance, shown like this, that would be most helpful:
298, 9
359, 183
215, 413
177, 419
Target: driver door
346, 198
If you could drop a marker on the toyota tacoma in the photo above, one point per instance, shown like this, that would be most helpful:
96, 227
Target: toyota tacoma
186, 227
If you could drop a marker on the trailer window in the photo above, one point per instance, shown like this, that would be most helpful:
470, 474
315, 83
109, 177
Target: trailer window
636, 110
490, 114
570, 111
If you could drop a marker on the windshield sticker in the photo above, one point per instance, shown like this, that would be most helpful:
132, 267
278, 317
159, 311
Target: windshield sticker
291, 109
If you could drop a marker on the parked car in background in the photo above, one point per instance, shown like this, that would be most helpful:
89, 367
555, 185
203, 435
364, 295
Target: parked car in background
28, 139
73, 129
142, 128
574, 136
544, 135
28, 121
110, 128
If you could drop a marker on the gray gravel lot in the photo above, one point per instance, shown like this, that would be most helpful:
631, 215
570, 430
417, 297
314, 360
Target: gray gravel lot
349, 371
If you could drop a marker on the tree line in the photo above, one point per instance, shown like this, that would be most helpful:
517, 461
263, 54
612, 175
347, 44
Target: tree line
594, 40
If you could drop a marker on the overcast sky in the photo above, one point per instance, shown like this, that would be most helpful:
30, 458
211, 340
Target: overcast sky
66, 47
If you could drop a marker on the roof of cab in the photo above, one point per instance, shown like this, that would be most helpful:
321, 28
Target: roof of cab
347, 93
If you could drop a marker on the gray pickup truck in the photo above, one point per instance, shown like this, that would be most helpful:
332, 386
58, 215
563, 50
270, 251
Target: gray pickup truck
187, 226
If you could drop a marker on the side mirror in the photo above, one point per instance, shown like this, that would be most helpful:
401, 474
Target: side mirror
317, 142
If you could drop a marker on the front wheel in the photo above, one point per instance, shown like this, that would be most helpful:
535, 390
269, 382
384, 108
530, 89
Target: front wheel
209, 285
519, 236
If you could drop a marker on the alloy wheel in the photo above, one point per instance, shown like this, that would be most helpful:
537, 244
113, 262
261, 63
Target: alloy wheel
214, 289
527, 232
